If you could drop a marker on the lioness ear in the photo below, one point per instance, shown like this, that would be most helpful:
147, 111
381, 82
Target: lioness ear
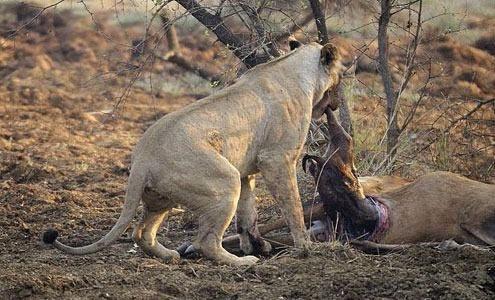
293, 44
329, 55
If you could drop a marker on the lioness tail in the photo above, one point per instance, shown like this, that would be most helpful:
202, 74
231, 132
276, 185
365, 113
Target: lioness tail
133, 195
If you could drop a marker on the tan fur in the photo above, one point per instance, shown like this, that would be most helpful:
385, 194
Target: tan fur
204, 156
437, 207
441, 206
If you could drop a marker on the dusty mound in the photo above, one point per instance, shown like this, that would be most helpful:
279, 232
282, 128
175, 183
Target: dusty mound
471, 68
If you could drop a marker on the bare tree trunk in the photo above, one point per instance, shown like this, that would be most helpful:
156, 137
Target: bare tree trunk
344, 113
319, 16
393, 131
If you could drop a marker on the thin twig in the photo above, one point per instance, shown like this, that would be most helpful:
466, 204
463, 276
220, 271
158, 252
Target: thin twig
456, 121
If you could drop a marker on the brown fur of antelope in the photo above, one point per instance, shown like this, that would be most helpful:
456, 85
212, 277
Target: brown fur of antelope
435, 207
314, 210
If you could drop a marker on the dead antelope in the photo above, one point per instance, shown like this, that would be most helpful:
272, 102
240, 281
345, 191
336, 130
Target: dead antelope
436, 207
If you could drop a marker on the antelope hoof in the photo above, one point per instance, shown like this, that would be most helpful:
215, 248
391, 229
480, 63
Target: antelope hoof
187, 250
256, 246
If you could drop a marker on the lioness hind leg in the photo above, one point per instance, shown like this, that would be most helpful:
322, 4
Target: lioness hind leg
214, 218
250, 239
145, 235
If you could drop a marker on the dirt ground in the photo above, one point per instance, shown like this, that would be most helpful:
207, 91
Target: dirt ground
64, 162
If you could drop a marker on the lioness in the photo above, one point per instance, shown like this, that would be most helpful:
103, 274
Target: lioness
258, 124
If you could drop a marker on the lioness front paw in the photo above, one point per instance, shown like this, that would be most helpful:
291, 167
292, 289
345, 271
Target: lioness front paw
233, 260
248, 260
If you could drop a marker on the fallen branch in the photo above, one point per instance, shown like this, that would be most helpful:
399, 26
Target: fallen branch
371, 247
181, 61
313, 212
284, 240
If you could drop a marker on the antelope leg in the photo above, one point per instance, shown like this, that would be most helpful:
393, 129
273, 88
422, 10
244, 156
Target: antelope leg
231, 243
311, 212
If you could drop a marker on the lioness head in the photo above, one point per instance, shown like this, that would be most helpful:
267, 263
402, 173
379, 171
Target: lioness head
328, 78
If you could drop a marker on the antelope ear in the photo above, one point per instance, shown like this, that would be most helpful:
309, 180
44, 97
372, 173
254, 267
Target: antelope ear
329, 55
311, 163
293, 44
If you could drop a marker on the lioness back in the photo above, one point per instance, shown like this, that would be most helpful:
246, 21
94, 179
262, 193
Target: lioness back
236, 121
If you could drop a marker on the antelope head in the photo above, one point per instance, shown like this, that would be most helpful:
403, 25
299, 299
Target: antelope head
336, 177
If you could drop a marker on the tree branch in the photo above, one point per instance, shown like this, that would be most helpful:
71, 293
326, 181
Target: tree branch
259, 28
384, 68
216, 24
174, 54
411, 53
296, 27
170, 31
178, 59
36, 16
